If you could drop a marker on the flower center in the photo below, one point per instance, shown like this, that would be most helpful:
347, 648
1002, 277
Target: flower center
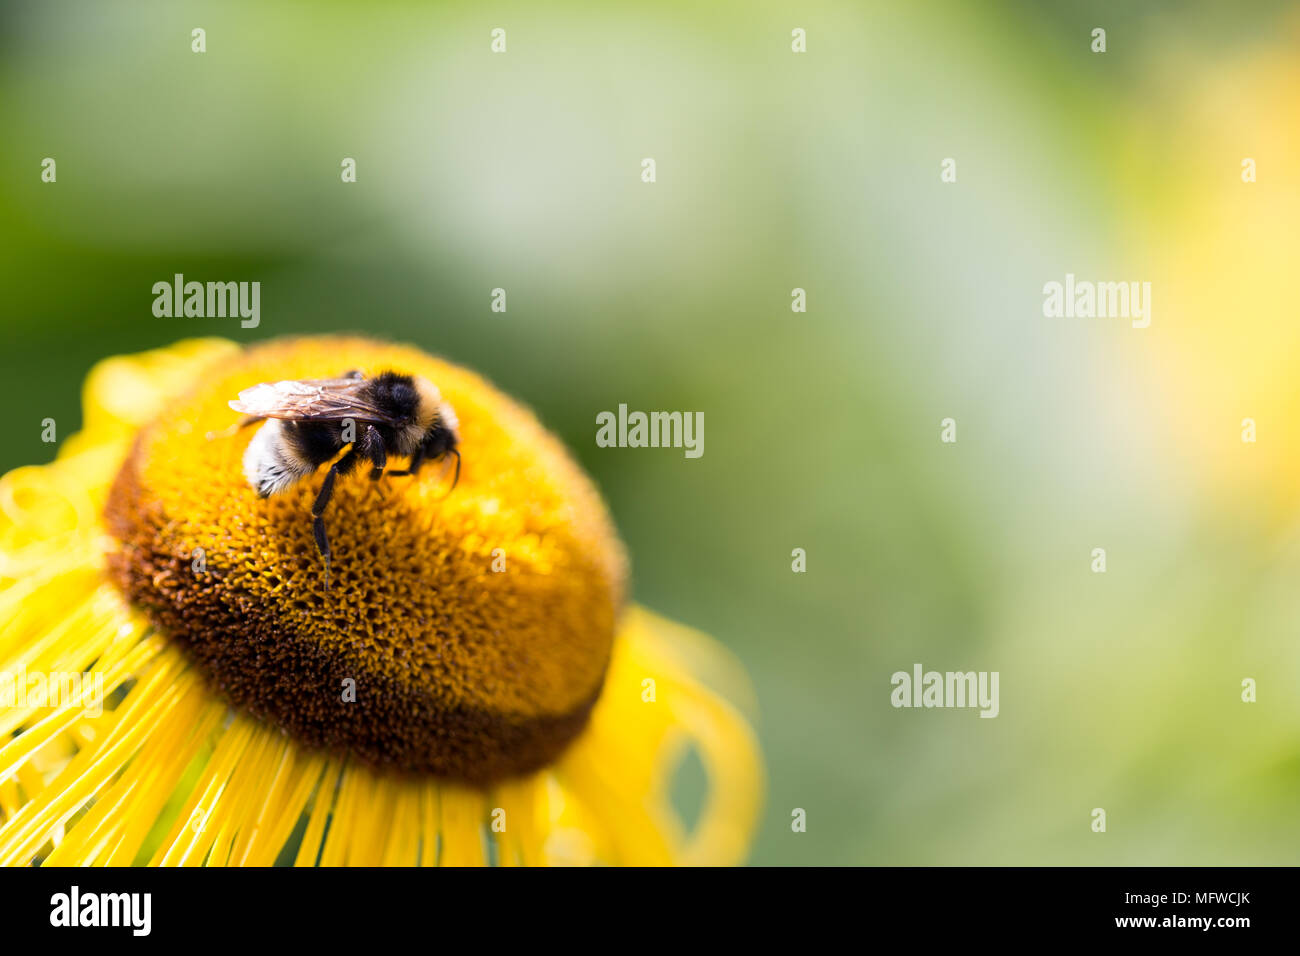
464, 634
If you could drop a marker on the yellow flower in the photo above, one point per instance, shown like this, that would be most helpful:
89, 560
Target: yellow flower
177, 686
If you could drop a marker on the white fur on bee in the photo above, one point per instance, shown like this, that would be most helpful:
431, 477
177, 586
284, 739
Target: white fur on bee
268, 465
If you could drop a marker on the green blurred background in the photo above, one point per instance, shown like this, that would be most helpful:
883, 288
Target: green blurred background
779, 170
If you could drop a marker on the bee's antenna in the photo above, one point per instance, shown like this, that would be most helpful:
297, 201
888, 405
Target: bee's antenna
456, 477
232, 430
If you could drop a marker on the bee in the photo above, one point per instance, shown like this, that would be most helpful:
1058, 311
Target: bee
308, 422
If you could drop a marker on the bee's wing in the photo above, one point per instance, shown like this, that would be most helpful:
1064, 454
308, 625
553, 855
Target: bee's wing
322, 399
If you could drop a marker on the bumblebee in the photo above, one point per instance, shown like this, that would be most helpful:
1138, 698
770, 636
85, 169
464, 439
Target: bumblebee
307, 422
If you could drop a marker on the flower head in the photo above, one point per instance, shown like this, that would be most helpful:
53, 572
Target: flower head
471, 687
475, 627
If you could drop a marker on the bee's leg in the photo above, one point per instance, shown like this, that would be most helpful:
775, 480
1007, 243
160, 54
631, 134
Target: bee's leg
413, 468
372, 447
341, 467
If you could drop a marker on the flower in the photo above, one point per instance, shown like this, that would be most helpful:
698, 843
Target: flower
472, 689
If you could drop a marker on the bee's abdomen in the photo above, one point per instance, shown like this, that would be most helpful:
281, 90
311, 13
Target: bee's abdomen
274, 460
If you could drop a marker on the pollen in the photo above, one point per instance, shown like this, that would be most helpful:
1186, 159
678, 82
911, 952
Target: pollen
464, 635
